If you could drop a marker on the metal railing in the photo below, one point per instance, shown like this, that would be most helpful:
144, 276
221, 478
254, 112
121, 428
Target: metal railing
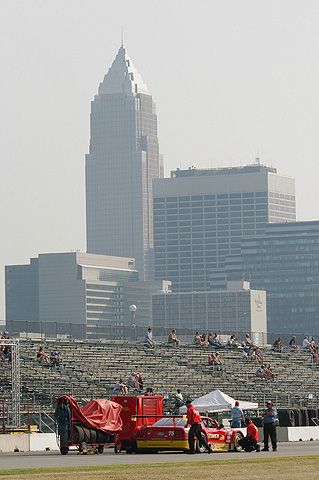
98, 331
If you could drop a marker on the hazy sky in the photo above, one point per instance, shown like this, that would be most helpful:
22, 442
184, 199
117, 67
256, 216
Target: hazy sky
232, 79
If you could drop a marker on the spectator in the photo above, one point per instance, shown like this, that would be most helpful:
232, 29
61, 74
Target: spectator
172, 338
261, 372
197, 340
250, 442
278, 345
246, 354
149, 392
269, 372
230, 341
149, 338
203, 340
120, 387
292, 343
236, 416
178, 399
132, 382
248, 340
55, 359
215, 361
259, 355
235, 341
306, 343
214, 340
41, 356
139, 381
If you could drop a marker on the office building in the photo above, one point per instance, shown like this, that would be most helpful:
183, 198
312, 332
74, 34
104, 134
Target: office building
236, 311
77, 288
122, 162
201, 215
284, 262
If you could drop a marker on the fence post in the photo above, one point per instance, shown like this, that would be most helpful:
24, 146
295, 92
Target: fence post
56, 330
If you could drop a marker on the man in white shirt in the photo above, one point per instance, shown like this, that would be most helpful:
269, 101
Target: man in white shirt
306, 343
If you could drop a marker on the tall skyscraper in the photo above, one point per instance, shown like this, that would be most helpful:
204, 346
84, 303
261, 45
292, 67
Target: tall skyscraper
123, 160
201, 215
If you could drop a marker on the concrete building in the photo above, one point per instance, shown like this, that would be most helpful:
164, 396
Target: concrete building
78, 288
123, 160
284, 262
201, 215
236, 311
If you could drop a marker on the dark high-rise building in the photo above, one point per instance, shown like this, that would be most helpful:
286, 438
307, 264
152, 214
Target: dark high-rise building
201, 215
284, 262
123, 160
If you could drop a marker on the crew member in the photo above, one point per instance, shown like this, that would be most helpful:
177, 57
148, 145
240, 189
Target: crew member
195, 422
269, 419
250, 442
236, 416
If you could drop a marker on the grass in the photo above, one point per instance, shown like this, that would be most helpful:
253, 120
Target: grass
279, 468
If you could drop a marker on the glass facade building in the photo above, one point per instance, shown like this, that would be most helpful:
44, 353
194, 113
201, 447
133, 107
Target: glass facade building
123, 160
200, 216
285, 263
234, 311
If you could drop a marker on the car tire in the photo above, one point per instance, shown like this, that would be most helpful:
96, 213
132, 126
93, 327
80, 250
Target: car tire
237, 447
202, 448
100, 448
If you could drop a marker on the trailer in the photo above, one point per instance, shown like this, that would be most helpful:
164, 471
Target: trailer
89, 428
136, 412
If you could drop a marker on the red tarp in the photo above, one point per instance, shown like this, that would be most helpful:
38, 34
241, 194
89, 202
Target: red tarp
101, 414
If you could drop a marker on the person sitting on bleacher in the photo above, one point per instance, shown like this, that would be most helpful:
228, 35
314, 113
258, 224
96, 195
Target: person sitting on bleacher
269, 372
178, 399
41, 356
259, 355
55, 359
173, 339
120, 387
278, 345
261, 372
292, 343
197, 340
306, 343
149, 338
230, 342
203, 340
133, 382
139, 381
214, 340
246, 354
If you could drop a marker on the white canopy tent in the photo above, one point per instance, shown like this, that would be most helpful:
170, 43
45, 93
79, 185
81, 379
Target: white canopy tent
218, 401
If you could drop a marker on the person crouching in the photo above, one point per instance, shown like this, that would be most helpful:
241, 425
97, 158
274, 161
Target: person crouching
250, 442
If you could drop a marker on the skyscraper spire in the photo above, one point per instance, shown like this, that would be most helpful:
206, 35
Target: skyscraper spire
122, 76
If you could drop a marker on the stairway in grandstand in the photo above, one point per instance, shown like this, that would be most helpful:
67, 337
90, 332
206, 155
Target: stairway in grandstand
90, 369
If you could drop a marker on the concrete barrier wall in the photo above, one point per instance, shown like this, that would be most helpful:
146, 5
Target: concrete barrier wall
26, 442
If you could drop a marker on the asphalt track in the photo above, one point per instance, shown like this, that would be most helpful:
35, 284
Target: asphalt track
55, 459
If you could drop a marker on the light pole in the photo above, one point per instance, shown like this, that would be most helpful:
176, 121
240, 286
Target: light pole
132, 309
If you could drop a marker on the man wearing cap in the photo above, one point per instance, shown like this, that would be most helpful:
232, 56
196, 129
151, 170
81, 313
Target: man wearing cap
195, 421
236, 416
269, 419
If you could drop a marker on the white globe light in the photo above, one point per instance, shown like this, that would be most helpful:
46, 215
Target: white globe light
132, 308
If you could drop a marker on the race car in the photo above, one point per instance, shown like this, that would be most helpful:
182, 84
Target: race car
171, 433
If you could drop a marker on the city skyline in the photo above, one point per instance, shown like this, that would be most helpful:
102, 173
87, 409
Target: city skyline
231, 81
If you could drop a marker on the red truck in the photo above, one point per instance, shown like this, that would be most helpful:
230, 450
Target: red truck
138, 411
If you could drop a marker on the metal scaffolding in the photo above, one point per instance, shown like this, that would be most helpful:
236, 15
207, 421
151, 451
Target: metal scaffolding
15, 377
